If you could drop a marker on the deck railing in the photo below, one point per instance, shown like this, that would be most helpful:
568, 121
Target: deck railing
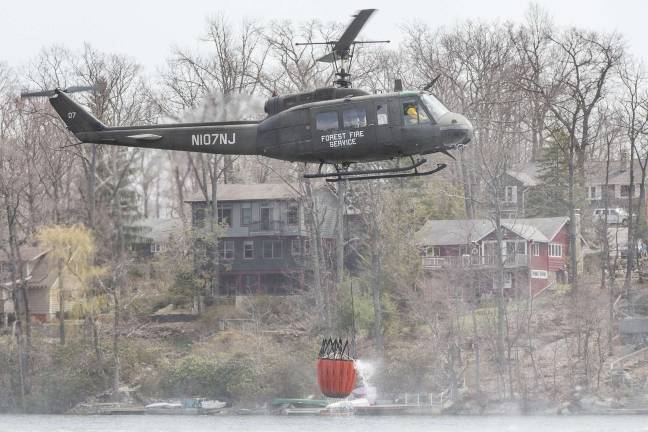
465, 261
267, 227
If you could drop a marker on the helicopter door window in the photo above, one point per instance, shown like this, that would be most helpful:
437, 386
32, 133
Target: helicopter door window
354, 118
381, 114
413, 114
326, 121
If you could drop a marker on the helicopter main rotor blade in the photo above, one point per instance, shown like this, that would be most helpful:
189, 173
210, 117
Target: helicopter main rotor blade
342, 46
328, 58
348, 37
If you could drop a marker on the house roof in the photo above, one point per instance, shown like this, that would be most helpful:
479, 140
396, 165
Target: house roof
526, 174
619, 172
548, 226
36, 258
453, 232
158, 230
463, 231
524, 230
250, 192
27, 253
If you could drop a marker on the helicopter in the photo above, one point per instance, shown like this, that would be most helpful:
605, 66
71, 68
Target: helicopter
337, 126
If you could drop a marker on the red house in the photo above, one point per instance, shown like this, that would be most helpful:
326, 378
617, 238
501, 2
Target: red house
535, 251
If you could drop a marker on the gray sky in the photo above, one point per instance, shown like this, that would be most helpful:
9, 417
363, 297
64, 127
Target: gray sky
146, 30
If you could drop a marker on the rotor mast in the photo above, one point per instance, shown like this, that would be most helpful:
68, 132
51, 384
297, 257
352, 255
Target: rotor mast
341, 54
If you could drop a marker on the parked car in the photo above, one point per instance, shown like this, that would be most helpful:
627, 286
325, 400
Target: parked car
615, 215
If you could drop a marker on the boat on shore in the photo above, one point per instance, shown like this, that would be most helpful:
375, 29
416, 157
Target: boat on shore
194, 406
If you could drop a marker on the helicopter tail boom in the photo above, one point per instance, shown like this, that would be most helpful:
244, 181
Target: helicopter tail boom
216, 137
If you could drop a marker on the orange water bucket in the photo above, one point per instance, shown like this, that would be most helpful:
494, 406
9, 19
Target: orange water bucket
336, 377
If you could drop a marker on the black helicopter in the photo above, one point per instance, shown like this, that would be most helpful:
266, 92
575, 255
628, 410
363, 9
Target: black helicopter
337, 125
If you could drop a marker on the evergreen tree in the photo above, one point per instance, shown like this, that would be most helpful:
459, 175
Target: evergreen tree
550, 197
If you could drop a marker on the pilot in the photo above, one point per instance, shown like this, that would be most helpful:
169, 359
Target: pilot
411, 114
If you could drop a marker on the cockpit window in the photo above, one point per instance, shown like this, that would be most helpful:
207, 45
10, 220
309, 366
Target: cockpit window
413, 114
436, 108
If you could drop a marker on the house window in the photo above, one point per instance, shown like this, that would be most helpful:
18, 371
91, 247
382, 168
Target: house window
591, 192
157, 247
354, 118
199, 217
246, 215
226, 249
295, 247
266, 218
432, 251
248, 249
5, 268
610, 192
381, 114
510, 194
224, 215
521, 248
625, 191
326, 121
293, 214
539, 274
555, 250
535, 249
490, 248
272, 249
307, 247
250, 283
508, 281
200, 249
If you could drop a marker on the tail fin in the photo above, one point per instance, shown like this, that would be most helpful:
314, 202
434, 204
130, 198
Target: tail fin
75, 117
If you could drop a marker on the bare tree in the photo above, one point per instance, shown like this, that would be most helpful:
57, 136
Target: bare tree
633, 117
13, 188
571, 71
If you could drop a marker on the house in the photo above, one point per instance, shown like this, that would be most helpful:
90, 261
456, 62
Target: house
266, 244
154, 235
42, 285
618, 243
520, 180
618, 183
534, 251
519, 183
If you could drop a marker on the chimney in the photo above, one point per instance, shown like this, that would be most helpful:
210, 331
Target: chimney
623, 159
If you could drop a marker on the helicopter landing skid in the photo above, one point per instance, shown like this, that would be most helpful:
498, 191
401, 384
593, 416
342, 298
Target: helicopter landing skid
376, 173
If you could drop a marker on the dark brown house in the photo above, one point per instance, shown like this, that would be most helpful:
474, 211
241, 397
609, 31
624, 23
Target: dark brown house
266, 245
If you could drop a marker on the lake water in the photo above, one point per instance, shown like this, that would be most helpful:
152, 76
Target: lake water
37, 423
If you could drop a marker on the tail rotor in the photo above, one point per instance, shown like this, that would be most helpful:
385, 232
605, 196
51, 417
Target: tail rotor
71, 89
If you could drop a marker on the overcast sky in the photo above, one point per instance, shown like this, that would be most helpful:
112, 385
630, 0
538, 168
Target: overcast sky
146, 30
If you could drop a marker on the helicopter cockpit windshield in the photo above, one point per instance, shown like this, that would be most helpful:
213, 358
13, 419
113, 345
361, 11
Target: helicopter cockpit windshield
436, 108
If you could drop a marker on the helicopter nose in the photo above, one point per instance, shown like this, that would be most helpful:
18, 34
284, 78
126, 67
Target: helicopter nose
456, 130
